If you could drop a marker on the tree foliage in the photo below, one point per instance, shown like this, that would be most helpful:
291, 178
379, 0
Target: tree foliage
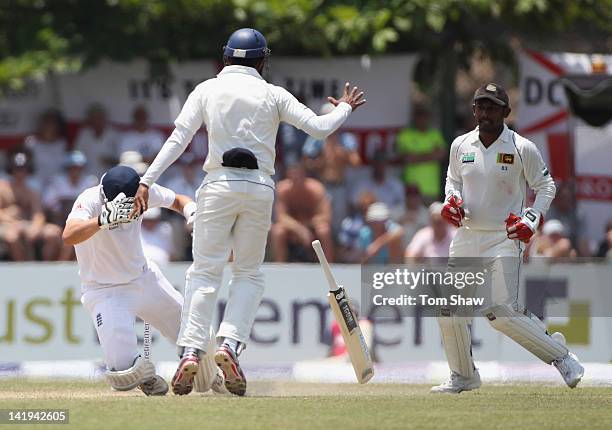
43, 36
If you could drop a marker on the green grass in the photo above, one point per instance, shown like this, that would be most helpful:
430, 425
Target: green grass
292, 406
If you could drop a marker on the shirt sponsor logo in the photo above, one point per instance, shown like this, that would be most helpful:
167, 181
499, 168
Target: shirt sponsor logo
468, 157
505, 158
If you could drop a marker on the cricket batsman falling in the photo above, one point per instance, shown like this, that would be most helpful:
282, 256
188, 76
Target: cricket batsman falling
242, 113
488, 173
119, 283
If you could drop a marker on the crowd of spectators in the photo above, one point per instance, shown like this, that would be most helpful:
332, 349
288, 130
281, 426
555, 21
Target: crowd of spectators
381, 210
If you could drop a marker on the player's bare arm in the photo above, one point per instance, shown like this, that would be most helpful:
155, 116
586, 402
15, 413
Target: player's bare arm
186, 207
79, 230
141, 200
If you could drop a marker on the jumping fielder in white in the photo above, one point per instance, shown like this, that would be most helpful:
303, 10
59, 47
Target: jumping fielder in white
242, 113
488, 173
119, 284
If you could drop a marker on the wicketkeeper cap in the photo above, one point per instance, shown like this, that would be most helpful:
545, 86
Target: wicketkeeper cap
120, 179
493, 92
246, 43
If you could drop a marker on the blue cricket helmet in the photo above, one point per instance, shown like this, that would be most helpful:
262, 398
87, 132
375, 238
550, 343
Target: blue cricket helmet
120, 179
246, 43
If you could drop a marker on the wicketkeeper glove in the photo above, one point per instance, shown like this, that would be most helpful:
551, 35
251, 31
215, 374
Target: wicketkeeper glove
116, 212
452, 210
524, 227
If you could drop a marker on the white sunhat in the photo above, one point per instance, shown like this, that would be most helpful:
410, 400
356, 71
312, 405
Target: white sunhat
553, 226
134, 160
435, 208
377, 212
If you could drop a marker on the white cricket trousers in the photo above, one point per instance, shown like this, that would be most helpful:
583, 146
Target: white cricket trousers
234, 211
490, 251
500, 256
114, 310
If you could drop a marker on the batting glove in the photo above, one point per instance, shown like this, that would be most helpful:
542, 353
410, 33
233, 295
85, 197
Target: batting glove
452, 210
116, 212
524, 227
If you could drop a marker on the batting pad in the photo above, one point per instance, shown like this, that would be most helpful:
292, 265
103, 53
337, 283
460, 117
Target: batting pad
125, 380
457, 343
526, 330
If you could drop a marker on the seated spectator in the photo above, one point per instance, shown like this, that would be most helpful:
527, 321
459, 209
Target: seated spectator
156, 237
416, 215
291, 143
190, 176
98, 141
387, 189
433, 240
552, 242
48, 146
142, 137
380, 239
573, 218
422, 149
65, 187
327, 160
348, 237
303, 213
22, 221
605, 246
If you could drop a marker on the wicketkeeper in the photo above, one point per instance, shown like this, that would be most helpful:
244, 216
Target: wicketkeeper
119, 284
488, 174
242, 113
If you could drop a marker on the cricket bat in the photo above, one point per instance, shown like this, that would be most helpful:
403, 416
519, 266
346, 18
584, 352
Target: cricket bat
349, 326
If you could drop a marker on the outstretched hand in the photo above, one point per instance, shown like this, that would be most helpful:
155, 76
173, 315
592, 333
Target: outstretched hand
352, 97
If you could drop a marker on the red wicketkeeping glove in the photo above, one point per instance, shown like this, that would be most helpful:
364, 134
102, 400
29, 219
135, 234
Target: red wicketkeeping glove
524, 227
452, 210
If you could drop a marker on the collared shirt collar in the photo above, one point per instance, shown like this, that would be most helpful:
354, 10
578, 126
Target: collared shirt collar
240, 69
505, 136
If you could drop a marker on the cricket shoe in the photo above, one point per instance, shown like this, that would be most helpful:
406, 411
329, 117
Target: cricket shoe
235, 382
155, 386
182, 381
457, 383
570, 368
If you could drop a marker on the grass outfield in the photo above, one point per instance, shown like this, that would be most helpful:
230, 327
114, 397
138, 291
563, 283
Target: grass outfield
286, 405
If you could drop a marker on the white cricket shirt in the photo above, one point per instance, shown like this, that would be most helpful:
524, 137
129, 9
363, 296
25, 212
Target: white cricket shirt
112, 256
493, 181
241, 109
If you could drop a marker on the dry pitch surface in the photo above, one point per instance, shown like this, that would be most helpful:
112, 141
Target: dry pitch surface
286, 405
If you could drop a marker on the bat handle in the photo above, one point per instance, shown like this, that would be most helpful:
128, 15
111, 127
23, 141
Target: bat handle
333, 285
